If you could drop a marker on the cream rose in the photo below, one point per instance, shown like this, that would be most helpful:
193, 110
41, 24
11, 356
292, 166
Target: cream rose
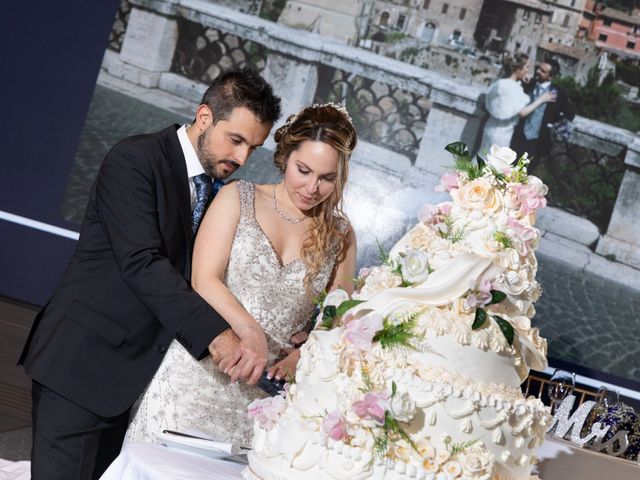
415, 266
479, 194
381, 278
477, 463
501, 158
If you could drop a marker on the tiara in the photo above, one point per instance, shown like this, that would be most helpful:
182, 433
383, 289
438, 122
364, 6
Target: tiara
338, 106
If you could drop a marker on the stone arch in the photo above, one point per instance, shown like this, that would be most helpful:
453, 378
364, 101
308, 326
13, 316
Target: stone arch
428, 32
384, 19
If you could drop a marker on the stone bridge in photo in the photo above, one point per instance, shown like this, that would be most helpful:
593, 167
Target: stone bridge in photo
404, 114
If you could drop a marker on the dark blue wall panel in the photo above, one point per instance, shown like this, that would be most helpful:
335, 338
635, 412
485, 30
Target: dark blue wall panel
51, 55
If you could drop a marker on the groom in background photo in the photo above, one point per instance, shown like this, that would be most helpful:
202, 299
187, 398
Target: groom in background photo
125, 294
533, 133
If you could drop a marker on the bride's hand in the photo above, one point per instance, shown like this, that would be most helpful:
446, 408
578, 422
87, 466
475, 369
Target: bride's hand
254, 353
286, 367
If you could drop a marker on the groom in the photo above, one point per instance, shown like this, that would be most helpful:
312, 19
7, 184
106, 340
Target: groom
125, 294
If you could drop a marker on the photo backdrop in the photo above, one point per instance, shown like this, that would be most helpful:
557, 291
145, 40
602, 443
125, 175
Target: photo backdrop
47, 97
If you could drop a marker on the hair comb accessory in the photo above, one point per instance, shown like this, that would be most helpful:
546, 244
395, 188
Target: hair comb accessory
337, 106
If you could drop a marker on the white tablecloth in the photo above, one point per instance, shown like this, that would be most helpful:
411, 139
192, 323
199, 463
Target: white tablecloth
558, 460
14, 470
150, 461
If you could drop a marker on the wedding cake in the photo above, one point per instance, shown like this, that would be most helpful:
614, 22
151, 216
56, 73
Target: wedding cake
418, 375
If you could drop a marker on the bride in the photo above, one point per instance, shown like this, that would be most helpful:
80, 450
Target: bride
263, 253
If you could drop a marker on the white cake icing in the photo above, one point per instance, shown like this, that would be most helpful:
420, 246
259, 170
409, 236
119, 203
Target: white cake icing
414, 383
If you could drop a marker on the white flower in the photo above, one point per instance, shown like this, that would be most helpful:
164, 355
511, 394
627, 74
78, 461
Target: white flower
537, 186
501, 158
381, 278
402, 407
452, 469
477, 463
335, 298
415, 266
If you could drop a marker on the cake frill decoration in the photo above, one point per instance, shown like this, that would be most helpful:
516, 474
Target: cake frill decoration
417, 374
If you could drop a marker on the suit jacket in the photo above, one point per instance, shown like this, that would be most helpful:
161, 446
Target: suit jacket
561, 109
125, 293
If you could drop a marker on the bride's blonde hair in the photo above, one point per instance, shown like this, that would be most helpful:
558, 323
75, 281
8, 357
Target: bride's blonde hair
330, 124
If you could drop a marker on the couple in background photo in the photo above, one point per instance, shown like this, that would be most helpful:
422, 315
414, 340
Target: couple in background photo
523, 110
136, 337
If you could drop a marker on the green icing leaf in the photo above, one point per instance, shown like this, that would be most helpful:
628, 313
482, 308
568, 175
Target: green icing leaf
481, 317
458, 149
346, 306
328, 315
481, 162
506, 327
497, 296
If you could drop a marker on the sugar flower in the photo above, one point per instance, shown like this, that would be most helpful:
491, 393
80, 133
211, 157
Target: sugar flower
501, 158
414, 266
373, 406
267, 410
334, 426
448, 182
360, 331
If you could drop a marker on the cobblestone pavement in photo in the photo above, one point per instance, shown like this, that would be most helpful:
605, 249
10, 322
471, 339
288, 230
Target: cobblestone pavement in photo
587, 320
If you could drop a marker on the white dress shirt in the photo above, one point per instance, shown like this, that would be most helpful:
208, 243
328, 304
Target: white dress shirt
194, 167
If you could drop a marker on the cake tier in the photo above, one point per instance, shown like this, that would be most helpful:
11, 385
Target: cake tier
447, 404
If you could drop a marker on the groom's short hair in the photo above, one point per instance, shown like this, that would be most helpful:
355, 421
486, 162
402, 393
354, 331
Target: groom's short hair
242, 88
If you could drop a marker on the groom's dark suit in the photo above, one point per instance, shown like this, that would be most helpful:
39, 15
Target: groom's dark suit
125, 293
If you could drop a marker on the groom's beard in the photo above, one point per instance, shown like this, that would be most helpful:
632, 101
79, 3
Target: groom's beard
215, 168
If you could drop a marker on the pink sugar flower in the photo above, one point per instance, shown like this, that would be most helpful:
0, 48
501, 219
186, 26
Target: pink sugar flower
373, 406
444, 208
334, 426
364, 272
360, 331
522, 232
267, 410
481, 297
448, 182
427, 213
530, 198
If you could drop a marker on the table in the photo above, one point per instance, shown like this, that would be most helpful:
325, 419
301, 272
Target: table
558, 460
152, 461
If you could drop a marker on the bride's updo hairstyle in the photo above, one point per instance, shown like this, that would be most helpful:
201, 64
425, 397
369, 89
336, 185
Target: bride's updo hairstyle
513, 62
328, 123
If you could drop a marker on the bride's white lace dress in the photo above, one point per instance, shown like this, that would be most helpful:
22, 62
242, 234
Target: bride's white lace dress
504, 101
190, 394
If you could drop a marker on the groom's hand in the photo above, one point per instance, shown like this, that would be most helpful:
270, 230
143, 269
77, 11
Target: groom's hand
253, 347
225, 350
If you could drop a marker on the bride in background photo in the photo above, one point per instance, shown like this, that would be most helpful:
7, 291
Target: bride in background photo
507, 102
263, 253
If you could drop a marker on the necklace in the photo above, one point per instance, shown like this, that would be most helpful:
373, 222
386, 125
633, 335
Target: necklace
283, 215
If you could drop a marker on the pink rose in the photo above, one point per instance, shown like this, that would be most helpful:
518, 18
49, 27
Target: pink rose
334, 426
373, 406
448, 182
360, 331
